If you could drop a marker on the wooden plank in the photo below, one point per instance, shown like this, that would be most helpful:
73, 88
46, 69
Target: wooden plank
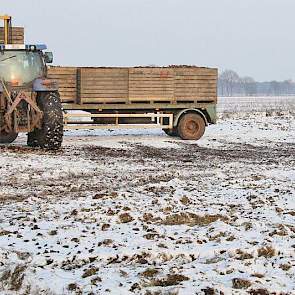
17, 35
103, 100
151, 98
194, 89
101, 84
196, 83
150, 70
97, 89
196, 93
60, 70
98, 96
156, 89
106, 81
143, 77
151, 82
139, 79
104, 91
194, 97
100, 72
199, 77
106, 86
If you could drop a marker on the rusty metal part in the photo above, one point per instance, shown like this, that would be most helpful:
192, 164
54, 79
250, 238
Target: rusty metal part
12, 115
6, 92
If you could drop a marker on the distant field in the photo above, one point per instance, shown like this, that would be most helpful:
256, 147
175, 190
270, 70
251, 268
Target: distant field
255, 104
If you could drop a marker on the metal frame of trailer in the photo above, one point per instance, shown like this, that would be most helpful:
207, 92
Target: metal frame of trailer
161, 111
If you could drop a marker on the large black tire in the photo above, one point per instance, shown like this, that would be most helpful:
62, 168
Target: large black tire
171, 132
6, 138
50, 135
191, 126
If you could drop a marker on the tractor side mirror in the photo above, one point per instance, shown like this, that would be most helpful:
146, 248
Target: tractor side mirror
48, 57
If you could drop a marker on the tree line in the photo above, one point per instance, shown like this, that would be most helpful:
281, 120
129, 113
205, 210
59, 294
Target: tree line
231, 84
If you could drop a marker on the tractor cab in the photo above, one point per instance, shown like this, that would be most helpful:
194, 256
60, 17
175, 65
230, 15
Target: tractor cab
21, 65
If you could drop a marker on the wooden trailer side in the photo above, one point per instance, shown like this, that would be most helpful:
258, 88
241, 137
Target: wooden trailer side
151, 84
169, 85
18, 35
195, 84
103, 85
67, 82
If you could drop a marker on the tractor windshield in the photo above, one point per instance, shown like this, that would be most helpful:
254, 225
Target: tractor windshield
21, 67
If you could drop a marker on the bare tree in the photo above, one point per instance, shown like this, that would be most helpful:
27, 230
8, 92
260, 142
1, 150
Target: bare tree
230, 84
228, 81
249, 86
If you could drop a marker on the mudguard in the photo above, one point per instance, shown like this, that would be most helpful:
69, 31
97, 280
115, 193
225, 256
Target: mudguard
177, 117
45, 85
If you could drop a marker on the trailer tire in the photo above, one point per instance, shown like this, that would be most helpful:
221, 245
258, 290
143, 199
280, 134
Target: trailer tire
6, 138
171, 132
191, 126
50, 135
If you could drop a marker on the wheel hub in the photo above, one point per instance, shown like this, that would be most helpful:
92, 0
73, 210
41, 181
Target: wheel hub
192, 126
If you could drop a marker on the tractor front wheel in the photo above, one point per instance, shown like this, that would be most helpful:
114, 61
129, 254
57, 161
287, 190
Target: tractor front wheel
6, 138
50, 135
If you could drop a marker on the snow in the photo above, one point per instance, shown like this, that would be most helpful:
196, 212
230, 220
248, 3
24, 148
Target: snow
97, 216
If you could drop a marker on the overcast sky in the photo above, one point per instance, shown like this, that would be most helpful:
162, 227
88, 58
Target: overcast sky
253, 37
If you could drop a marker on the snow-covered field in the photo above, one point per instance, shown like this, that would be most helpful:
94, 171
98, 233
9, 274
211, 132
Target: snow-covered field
137, 212
255, 104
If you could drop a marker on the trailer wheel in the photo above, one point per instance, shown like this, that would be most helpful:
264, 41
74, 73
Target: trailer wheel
51, 133
191, 126
171, 132
7, 137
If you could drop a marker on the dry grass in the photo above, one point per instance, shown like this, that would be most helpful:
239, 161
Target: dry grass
192, 219
170, 280
125, 218
266, 252
4, 233
14, 279
241, 255
90, 272
285, 266
149, 273
185, 200
241, 283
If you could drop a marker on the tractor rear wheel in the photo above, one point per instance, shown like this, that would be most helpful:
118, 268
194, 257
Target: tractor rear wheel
191, 126
51, 133
7, 137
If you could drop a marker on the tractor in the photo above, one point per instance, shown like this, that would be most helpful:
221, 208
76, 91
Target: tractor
29, 101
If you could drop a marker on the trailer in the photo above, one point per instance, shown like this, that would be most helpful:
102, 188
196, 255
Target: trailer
179, 99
